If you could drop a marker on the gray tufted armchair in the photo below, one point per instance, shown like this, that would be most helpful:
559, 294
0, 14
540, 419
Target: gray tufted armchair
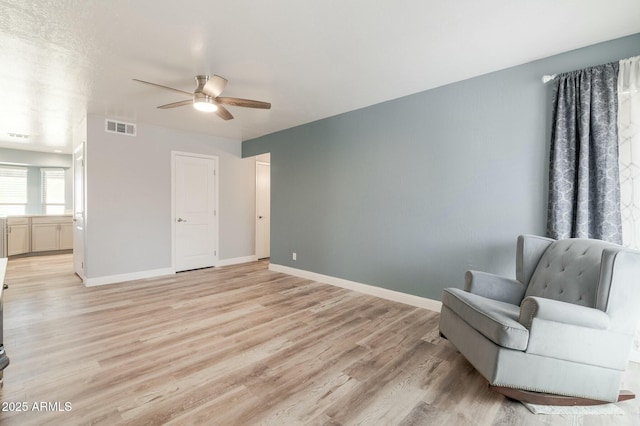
564, 326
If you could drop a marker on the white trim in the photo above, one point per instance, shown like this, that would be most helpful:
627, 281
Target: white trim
260, 163
237, 260
80, 255
396, 296
216, 182
3, 271
112, 279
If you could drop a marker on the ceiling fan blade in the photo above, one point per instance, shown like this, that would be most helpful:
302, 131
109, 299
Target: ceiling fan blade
163, 87
247, 103
224, 113
215, 85
176, 104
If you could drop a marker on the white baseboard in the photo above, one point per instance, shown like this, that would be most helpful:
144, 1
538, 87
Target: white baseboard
396, 296
236, 260
113, 279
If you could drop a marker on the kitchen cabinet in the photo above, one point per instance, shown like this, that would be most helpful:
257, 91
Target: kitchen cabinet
18, 235
66, 235
50, 233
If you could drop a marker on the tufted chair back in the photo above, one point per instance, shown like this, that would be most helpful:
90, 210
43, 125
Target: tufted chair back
569, 271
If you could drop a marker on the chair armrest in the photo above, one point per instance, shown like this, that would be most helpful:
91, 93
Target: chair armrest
494, 287
573, 333
561, 312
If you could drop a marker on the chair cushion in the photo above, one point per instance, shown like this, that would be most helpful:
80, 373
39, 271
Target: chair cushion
569, 271
497, 321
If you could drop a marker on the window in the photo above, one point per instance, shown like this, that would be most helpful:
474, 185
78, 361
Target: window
629, 149
13, 190
52, 191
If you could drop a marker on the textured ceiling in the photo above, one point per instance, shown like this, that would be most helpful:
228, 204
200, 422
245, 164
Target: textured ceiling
310, 59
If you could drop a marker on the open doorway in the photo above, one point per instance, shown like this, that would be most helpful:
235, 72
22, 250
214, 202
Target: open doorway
263, 206
36, 211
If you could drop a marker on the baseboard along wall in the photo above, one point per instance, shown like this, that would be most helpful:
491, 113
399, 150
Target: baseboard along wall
396, 296
114, 279
236, 260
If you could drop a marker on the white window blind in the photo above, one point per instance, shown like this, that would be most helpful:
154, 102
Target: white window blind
13, 190
53, 190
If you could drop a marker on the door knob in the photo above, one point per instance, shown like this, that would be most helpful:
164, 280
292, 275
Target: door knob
181, 219
259, 217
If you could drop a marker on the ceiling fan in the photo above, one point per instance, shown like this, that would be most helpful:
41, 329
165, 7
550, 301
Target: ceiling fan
207, 97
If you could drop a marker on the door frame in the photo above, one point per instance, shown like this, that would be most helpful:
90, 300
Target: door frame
79, 252
174, 155
261, 163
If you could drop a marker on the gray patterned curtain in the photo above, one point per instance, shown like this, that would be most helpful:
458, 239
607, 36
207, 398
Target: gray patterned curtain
584, 183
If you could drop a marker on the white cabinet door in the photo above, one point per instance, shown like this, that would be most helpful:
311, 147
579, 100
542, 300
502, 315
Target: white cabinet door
17, 239
50, 233
45, 237
66, 236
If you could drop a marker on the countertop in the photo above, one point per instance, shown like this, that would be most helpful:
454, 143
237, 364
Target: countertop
38, 215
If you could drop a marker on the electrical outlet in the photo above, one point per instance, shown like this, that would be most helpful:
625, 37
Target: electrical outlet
294, 256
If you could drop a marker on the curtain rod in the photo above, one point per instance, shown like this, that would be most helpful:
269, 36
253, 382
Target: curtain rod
548, 77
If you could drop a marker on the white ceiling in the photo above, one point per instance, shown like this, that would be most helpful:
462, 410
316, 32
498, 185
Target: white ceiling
310, 59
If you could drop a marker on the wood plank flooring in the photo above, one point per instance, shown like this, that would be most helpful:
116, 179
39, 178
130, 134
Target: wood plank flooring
238, 345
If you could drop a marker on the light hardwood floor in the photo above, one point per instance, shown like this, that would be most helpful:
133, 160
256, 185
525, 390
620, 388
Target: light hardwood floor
237, 345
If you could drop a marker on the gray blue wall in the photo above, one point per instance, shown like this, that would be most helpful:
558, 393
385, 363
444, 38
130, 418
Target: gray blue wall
409, 194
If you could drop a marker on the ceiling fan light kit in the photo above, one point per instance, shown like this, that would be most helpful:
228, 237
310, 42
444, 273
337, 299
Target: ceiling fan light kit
204, 103
207, 98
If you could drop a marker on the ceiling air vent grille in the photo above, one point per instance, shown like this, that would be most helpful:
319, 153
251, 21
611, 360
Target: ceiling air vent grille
120, 127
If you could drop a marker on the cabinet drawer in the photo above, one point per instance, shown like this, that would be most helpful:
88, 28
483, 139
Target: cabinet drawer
50, 219
17, 221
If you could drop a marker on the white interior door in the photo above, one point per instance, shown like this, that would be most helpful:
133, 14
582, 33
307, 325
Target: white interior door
78, 210
263, 210
195, 224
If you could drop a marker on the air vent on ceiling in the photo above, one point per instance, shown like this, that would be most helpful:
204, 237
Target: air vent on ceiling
121, 127
18, 135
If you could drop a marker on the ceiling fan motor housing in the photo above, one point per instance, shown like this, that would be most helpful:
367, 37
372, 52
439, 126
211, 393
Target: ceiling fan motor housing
201, 97
201, 80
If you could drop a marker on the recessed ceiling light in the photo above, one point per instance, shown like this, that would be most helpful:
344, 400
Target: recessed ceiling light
57, 151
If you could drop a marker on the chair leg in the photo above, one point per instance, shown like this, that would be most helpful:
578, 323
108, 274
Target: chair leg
551, 399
